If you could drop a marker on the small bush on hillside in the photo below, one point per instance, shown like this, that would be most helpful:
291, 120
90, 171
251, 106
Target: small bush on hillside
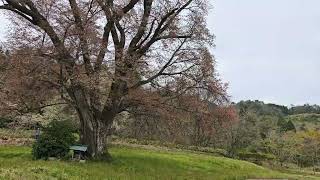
55, 140
4, 122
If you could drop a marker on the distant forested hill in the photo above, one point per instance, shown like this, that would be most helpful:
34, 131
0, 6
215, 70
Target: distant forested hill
303, 116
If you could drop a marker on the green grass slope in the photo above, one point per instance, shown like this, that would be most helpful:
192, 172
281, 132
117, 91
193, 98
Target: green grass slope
132, 163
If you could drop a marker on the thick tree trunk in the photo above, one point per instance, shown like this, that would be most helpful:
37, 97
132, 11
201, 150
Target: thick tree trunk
93, 133
94, 127
96, 121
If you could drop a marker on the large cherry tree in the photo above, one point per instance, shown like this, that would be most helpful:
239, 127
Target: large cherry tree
108, 56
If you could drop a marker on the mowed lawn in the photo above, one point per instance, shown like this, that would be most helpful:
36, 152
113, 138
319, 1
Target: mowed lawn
132, 163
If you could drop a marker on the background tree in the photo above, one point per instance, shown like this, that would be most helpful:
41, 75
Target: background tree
243, 134
106, 57
284, 147
309, 148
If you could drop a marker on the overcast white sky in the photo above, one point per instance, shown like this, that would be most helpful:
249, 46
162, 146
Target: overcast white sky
267, 50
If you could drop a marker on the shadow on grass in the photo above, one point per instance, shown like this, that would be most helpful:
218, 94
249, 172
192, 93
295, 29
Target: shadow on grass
10, 153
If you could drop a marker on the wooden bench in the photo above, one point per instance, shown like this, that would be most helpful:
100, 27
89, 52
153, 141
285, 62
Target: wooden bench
79, 152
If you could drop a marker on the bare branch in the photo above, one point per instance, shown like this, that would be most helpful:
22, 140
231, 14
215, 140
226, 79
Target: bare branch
163, 25
161, 72
130, 6
104, 46
28, 9
143, 24
8, 7
81, 33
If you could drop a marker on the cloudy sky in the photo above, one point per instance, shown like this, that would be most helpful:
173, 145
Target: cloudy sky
267, 50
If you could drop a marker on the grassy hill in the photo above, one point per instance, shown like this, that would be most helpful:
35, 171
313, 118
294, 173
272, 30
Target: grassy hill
133, 163
307, 120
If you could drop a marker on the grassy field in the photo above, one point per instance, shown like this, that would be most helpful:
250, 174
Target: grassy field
132, 163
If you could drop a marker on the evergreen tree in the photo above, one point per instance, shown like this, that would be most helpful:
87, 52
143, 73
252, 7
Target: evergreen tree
282, 124
290, 126
285, 126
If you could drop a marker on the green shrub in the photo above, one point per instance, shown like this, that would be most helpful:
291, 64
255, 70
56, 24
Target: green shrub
55, 140
4, 122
